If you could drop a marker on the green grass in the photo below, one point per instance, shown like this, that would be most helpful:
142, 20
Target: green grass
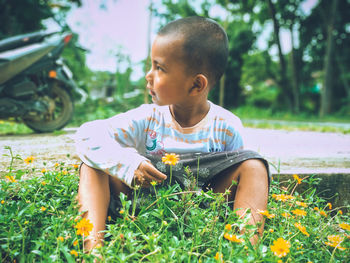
38, 218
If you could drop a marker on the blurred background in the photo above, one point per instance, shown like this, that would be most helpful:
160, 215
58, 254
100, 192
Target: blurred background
289, 59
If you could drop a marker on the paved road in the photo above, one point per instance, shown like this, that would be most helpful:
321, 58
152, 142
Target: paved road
292, 151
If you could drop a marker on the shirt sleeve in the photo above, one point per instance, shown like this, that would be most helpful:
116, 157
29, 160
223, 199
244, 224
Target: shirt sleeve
111, 145
236, 140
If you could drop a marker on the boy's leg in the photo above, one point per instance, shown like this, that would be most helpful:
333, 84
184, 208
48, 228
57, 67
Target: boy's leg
251, 192
94, 198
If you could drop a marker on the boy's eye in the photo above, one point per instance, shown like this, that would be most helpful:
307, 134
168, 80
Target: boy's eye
158, 68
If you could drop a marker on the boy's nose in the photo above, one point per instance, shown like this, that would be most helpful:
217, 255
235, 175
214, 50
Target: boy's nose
149, 75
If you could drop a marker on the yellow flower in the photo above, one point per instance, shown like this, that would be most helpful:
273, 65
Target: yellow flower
29, 159
2, 202
345, 226
233, 238
75, 166
109, 218
286, 215
228, 227
340, 212
323, 213
170, 159
316, 208
43, 208
64, 172
302, 229
57, 164
43, 183
267, 214
11, 179
84, 227
43, 170
297, 178
301, 204
121, 212
75, 243
26, 222
154, 183
299, 212
271, 230
282, 197
329, 205
60, 239
74, 252
218, 256
334, 241
280, 247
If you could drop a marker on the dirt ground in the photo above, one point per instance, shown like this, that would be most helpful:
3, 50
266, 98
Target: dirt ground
291, 152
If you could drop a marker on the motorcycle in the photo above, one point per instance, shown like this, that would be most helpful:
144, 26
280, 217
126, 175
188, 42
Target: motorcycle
36, 86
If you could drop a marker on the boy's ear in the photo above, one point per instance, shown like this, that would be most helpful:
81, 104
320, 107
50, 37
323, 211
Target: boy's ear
200, 84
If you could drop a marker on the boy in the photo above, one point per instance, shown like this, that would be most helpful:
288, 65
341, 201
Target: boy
188, 56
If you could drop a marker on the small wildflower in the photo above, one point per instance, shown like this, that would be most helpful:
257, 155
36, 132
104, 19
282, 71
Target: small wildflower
153, 183
301, 204
282, 197
11, 179
218, 256
228, 227
345, 226
2, 202
43, 170
323, 213
271, 230
335, 241
43, 208
109, 218
43, 183
75, 166
302, 229
121, 212
285, 214
299, 212
60, 239
316, 208
121, 236
29, 159
267, 214
233, 238
297, 178
165, 223
57, 164
280, 247
74, 252
75, 243
26, 222
64, 172
340, 212
84, 227
329, 205
171, 159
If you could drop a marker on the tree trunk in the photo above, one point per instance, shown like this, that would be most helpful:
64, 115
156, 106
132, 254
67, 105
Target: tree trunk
222, 91
295, 75
283, 82
327, 87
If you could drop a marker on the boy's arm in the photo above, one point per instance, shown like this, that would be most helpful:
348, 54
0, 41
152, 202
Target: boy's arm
99, 148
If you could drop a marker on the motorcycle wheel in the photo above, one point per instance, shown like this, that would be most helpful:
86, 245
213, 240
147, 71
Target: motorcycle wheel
60, 112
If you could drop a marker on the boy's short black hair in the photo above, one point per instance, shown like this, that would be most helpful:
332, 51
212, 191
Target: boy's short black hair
205, 46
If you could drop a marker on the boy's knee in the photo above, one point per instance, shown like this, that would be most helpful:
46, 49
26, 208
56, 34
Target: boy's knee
87, 170
255, 165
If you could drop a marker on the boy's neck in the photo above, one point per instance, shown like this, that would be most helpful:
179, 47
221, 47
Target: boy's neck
189, 116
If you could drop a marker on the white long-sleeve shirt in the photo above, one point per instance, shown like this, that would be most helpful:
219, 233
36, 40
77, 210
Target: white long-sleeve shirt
117, 145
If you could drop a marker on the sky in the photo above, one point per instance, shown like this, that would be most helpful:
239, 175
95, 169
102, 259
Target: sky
123, 25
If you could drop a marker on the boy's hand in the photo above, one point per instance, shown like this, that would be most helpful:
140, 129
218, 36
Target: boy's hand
146, 173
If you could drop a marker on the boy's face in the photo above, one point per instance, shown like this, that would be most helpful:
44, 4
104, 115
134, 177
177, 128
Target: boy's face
167, 81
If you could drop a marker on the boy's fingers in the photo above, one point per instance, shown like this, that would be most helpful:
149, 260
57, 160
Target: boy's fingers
154, 172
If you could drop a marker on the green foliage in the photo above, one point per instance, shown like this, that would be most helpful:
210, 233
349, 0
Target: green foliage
38, 218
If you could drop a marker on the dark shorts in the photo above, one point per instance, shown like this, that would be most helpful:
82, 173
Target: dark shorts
196, 169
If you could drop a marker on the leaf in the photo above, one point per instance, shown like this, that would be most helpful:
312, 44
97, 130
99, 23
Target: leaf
37, 252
